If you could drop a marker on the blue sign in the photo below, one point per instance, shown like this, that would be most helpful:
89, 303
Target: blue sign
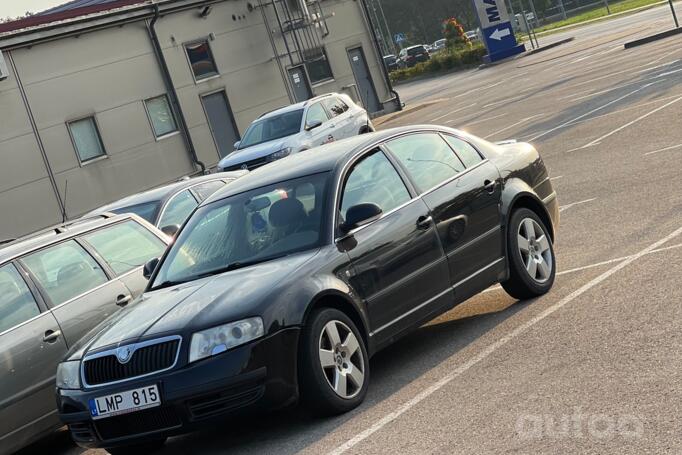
498, 34
399, 38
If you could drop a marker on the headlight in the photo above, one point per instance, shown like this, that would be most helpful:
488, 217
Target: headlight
68, 375
219, 339
280, 154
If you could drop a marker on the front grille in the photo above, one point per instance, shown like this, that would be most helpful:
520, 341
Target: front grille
250, 165
144, 360
146, 421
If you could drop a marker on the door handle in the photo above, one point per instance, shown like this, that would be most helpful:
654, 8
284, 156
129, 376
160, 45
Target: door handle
123, 300
52, 335
424, 222
490, 185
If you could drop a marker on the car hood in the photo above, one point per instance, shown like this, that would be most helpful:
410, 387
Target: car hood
193, 306
253, 153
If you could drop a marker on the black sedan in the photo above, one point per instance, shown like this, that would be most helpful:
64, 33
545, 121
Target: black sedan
282, 285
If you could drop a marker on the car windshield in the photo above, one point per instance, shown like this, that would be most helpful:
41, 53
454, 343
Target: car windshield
146, 211
416, 50
255, 226
271, 128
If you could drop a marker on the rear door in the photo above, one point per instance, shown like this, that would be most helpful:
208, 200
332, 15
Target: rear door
126, 247
399, 267
30, 349
341, 116
78, 289
462, 191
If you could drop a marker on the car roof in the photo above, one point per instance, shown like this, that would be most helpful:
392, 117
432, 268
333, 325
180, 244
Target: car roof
54, 234
316, 160
164, 192
295, 107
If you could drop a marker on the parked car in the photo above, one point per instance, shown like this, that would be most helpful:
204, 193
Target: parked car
55, 286
295, 128
391, 62
439, 45
412, 55
168, 206
258, 303
472, 35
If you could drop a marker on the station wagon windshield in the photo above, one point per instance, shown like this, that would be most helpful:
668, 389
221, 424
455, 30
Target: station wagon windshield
271, 128
248, 228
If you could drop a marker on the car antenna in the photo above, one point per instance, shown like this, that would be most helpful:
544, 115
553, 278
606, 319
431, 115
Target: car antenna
66, 194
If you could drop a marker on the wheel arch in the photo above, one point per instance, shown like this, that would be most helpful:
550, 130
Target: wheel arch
519, 194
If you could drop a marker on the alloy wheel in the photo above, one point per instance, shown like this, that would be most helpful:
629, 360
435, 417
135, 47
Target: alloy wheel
341, 359
535, 250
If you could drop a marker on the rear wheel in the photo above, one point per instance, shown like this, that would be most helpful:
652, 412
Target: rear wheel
334, 366
531, 256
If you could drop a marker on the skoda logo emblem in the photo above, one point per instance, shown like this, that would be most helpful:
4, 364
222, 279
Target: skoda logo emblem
123, 354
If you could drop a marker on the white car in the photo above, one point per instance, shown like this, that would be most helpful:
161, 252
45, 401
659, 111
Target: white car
295, 128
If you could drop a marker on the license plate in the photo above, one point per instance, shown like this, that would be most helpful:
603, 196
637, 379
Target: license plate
125, 402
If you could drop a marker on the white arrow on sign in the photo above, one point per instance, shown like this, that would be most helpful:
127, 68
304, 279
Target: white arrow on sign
499, 34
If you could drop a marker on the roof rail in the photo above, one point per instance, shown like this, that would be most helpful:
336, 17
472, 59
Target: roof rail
5, 241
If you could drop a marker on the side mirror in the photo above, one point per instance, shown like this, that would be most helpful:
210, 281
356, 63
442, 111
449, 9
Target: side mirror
171, 230
236, 145
359, 215
311, 126
149, 268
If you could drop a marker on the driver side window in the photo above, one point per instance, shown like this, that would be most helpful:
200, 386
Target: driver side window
374, 180
316, 113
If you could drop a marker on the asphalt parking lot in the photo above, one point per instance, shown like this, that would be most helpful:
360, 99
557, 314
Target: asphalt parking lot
592, 367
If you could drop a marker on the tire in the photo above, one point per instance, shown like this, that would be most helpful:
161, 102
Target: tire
141, 449
532, 267
322, 389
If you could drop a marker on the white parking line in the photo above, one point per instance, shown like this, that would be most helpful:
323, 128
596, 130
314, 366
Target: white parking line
557, 177
512, 126
480, 121
501, 342
663, 149
451, 112
628, 124
591, 112
568, 206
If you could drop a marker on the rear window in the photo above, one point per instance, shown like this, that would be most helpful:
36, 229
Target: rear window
125, 246
147, 211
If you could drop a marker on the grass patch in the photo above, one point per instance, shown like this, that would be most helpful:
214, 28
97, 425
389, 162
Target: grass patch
445, 61
598, 12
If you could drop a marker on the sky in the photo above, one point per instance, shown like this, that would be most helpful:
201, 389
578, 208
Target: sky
13, 8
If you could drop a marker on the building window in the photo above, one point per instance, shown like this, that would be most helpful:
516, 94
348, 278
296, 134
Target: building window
160, 116
86, 139
318, 68
201, 60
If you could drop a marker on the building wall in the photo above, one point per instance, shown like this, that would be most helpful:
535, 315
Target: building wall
109, 73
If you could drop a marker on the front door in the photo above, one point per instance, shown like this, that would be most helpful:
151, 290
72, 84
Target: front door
221, 121
399, 267
363, 78
462, 191
30, 349
326, 132
300, 84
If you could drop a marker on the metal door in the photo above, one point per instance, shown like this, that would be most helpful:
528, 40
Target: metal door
300, 84
363, 78
221, 121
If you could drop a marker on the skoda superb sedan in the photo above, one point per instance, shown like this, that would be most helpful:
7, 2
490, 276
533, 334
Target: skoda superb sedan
282, 285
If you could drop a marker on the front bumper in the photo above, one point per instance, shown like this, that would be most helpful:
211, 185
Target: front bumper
256, 377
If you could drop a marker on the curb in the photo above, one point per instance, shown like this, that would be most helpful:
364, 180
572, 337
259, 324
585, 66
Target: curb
652, 38
550, 46
408, 110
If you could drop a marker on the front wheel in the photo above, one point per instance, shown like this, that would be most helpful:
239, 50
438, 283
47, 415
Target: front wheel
334, 366
532, 265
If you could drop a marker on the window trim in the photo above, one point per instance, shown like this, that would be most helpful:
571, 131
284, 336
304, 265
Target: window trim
307, 110
151, 122
207, 40
196, 195
104, 154
169, 200
466, 142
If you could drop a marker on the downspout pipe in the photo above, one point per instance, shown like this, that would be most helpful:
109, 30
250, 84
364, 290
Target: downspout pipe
375, 42
170, 88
